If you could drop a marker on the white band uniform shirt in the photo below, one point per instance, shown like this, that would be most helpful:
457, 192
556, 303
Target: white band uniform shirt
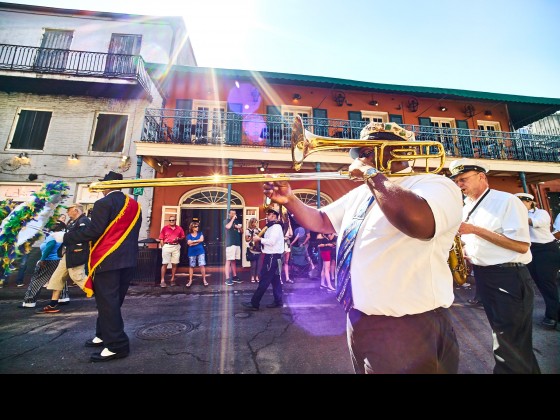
540, 233
499, 212
273, 240
393, 274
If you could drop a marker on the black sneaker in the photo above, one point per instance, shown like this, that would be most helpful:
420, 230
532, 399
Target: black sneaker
549, 323
249, 306
275, 305
235, 279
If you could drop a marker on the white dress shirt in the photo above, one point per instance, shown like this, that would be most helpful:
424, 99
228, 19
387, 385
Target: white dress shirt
540, 230
499, 212
273, 240
393, 274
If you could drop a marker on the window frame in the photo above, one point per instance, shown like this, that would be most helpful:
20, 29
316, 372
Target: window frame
94, 132
14, 131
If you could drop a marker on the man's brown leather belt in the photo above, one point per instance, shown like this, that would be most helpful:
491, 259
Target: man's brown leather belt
171, 243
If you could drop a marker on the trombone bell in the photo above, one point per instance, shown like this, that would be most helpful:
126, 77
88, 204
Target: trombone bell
304, 143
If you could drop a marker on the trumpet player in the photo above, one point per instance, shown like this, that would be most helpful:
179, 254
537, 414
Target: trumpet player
394, 237
273, 248
496, 239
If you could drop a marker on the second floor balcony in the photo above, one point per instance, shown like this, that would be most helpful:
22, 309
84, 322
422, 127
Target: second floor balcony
175, 126
25, 68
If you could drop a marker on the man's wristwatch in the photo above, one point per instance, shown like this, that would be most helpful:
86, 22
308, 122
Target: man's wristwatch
370, 173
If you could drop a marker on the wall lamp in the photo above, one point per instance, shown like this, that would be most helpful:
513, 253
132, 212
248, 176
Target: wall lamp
488, 113
24, 158
443, 108
264, 166
256, 95
373, 102
469, 110
73, 157
296, 96
412, 105
339, 98
162, 163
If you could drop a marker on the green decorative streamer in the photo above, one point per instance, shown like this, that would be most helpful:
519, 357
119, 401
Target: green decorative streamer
15, 217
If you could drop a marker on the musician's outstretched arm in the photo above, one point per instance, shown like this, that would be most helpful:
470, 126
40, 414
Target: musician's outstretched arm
315, 220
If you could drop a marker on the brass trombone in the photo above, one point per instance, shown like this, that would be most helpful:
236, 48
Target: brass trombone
303, 144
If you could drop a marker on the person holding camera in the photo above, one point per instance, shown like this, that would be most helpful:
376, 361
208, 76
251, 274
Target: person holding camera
233, 247
254, 250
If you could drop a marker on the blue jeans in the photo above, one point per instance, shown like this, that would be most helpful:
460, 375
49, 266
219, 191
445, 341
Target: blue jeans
22, 268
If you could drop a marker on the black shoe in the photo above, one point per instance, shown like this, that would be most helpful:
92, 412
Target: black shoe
474, 302
275, 305
249, 306
235, 279
549, 323
91, 343
96, 357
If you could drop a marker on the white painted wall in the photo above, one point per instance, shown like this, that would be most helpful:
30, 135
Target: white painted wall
93, 33
71, 131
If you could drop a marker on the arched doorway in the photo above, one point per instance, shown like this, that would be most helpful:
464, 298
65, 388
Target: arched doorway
208, 206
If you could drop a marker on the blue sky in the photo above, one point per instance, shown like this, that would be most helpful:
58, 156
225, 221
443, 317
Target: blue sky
502, 46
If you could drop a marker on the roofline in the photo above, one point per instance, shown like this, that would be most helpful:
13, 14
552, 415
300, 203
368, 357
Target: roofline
173, 20
336, 83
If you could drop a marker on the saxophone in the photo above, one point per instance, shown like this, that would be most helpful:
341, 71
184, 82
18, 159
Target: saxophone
457, 262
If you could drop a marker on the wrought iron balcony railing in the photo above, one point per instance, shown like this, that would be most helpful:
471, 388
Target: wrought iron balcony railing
177, 126
74, 63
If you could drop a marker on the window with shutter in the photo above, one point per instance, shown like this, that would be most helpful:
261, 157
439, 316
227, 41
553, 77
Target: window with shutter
110, 132
31, 129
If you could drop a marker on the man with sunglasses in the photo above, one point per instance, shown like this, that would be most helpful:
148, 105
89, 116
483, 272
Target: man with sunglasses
170, 239
395, 231
496, 241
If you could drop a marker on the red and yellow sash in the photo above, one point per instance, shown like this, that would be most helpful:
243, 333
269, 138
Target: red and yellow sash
112, 238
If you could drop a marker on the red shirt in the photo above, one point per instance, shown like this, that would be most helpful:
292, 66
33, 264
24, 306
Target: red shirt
171, 235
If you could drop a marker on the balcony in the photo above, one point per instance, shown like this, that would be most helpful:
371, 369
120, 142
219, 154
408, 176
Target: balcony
177, 126
24, 69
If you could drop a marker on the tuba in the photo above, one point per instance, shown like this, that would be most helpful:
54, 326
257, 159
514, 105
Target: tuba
456, 262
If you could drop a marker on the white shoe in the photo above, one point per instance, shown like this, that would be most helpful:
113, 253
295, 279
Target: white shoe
106, 352
28, 305
64, 300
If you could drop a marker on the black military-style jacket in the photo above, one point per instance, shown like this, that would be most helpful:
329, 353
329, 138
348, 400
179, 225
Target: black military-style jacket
77, 254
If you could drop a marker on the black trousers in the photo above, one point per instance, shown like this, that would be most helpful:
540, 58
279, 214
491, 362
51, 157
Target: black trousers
507, 295
270, 273
110, 289
544, 270
421, 343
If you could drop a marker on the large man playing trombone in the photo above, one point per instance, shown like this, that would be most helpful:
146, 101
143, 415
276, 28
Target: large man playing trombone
395, 232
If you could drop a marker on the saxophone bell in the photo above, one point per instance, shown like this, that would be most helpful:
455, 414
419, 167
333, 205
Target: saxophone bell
457, 263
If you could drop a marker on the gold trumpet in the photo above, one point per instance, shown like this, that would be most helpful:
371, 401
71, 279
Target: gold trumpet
304, 143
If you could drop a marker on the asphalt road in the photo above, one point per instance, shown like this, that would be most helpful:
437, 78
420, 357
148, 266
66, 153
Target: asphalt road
205, 330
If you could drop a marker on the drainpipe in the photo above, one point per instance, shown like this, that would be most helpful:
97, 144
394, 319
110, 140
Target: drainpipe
230, 172
523, 182
318, 169
138, 171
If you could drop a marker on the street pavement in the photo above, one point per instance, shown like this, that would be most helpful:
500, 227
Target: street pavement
206, 330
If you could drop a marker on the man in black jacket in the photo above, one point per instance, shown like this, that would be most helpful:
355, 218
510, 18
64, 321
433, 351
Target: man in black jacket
73, 262
113, 232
